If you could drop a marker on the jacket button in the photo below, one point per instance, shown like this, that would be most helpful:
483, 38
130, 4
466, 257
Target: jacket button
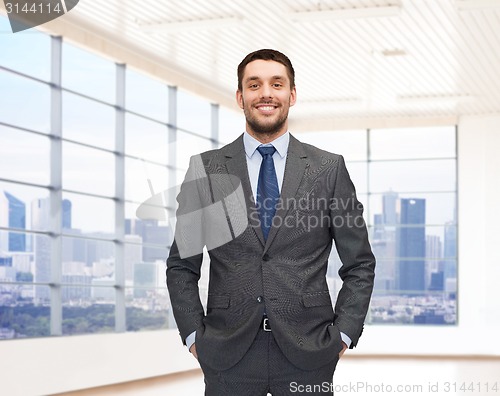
259, 299
266, 257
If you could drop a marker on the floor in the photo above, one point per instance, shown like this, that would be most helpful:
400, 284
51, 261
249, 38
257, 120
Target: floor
354, 375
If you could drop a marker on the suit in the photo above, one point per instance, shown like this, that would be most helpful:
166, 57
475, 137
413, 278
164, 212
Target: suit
283, 276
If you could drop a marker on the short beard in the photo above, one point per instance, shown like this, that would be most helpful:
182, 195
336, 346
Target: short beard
266, 129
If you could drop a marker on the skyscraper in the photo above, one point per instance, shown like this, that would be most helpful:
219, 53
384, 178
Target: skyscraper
389, 208
378, 230
133, 255
13, 215
450, 255
450, 240
151, 233
411, 268
4, 221
40, 221
66, 213
384, 241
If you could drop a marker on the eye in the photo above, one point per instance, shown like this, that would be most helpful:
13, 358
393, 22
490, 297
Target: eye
277, 85
253, 86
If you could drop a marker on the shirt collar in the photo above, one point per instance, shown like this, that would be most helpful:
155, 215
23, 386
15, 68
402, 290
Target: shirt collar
280, 144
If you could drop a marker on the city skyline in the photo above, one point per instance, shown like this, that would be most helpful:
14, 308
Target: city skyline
415, 266
87, 275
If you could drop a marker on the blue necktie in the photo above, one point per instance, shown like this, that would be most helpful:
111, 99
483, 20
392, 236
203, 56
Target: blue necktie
267, 189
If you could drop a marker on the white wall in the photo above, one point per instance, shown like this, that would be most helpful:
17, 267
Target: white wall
50, 365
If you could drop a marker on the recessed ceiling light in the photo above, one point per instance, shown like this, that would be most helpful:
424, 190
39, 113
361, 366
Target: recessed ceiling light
346, 13
394, 52
320, 105
340, 99
190, 25
434, 98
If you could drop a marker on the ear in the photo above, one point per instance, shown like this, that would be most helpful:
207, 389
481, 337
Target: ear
293, 96
239, 98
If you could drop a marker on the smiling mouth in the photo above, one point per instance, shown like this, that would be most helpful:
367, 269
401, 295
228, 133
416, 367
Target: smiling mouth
266, 108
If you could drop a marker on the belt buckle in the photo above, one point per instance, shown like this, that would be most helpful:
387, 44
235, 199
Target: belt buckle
265, 325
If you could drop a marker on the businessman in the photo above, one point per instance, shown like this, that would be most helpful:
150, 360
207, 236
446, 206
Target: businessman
268, 209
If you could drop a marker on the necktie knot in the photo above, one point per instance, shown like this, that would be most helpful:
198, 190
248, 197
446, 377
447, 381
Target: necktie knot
266, 150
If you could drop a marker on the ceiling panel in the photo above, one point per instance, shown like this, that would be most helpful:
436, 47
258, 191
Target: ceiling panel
430, 60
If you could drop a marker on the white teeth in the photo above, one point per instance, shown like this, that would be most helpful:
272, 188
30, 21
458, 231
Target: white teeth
266, 108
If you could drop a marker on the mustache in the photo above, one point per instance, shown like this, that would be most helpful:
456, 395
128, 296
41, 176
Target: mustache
267, 103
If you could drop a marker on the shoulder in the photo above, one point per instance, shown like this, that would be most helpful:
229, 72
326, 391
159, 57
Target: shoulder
221, 152
217, 157
315, 154
230, 149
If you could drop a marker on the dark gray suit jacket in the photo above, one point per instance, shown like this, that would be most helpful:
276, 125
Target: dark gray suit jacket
284, 276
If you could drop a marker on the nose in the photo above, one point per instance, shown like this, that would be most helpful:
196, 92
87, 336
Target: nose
266, 91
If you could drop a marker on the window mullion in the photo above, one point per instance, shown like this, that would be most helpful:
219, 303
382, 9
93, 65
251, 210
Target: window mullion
215, 125
55, 215
120, 311
172, 161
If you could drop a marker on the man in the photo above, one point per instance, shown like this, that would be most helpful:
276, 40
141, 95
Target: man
267, 208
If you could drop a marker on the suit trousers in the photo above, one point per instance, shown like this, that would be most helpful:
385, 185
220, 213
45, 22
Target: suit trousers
264, 369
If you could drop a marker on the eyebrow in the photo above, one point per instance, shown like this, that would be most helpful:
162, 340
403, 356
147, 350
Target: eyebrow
253, 78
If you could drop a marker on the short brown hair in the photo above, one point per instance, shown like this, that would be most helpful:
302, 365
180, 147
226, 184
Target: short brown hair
266, 54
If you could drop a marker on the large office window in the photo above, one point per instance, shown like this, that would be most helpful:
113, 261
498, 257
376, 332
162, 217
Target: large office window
24, 180
407, 182
88, 164
81, 154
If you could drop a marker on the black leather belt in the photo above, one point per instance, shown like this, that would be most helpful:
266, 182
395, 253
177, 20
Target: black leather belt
265, 324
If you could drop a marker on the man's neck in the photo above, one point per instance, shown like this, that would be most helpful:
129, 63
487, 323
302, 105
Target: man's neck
265, 138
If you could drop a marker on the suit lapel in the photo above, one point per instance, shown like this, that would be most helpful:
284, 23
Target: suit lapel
236, 165
295, 167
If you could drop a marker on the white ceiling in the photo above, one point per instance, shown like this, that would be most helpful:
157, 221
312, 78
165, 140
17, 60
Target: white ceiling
446, 62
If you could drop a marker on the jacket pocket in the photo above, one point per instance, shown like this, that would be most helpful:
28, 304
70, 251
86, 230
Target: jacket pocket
219, 301
317, 299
